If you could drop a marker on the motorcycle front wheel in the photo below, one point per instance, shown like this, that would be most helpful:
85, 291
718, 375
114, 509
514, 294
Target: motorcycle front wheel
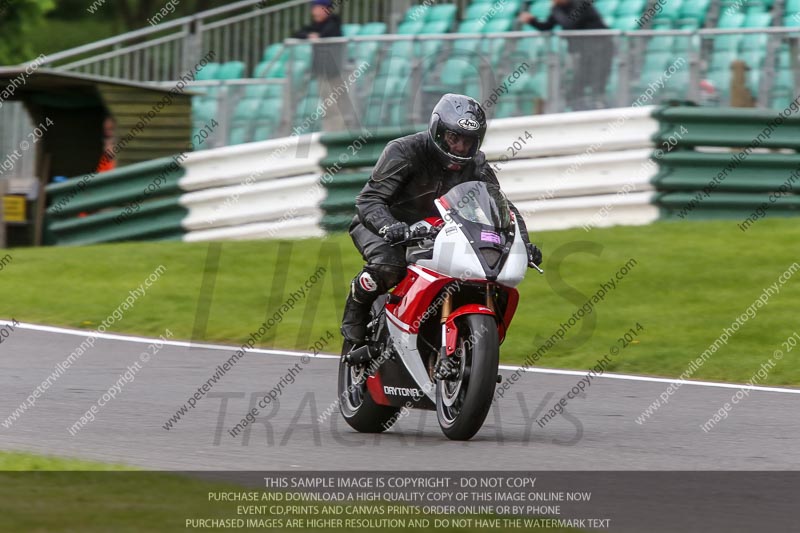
463, 403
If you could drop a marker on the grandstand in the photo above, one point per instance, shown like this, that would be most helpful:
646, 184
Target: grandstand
408, 55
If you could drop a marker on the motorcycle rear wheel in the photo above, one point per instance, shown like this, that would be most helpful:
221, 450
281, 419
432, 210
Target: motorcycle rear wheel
462, 404
355, 402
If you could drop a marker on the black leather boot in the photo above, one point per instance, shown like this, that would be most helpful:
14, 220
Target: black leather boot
363, 293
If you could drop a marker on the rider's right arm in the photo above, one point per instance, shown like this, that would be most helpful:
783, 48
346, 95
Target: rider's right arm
389, 175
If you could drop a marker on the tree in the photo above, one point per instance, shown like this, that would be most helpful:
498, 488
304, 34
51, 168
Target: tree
18, 18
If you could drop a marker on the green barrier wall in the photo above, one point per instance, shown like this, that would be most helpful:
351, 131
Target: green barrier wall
354, 154
137, 202
713, 166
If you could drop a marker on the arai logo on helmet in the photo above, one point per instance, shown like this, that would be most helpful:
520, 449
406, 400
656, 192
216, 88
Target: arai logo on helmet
469, 124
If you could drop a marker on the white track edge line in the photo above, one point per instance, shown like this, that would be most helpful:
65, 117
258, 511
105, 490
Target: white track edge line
627, 377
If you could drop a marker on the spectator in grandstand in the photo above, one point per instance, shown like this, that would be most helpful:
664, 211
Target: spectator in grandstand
592, 55
326, 63
410, 174
108, 159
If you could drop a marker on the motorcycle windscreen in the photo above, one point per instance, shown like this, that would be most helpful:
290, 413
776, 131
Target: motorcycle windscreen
480, 203
483, 212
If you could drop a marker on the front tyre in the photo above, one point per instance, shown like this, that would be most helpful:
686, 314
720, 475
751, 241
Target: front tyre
355, 402
463, 403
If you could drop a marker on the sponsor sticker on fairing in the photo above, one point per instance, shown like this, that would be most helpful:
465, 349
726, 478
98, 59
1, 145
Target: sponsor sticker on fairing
490, 236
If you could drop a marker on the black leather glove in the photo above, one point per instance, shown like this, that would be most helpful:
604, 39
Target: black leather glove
394, 233
534, 255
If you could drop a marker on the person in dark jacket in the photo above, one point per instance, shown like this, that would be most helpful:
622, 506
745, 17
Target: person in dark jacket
410, 174
593, 55
327, 59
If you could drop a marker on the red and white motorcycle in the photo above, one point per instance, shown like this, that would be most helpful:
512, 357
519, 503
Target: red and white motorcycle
434, 342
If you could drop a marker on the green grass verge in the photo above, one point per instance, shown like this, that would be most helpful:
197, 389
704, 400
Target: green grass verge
691, 280
73, 496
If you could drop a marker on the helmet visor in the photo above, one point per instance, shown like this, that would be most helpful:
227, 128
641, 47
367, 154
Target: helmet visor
459, 146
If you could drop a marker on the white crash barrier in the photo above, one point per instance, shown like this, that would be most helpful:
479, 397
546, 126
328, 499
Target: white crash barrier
570, 133
299, 228
632, 209
286, 202
259, 161
556, 177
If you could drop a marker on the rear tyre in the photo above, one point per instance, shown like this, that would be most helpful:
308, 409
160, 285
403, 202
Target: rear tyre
355, 402
462, 404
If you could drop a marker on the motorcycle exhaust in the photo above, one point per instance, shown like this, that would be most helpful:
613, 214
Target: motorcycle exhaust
359, 356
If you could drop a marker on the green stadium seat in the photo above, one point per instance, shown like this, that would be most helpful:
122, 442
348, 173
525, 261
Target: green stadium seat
792, 6
496, 49
659, 43
350, 30
729, 41
442, 12
506, 108
671, 10
470, 26
396, 64
790, 21
469, 47
754, 41
533, 46
300, 73
401, 48
695, 10
657, 61
270, 109
272, 51
721, 79
209, 72
478, 11
689, 24
757, 20
541, 10
625, 24
373, 28
683, 44
239, 134
677, 86
262, 91
784, 60
472, 87
417, 13
631, 8
274, 70
507, 10
410, 28
731, 20
498, 25
722, 60
232, 70
453, 71
430, 48
784, 80
265, 132
242, 122
606, 7
363, 51
438, 26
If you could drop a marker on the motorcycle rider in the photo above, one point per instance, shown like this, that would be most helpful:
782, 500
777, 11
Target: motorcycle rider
410, 174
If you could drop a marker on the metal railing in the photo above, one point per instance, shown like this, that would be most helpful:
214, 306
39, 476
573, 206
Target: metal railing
239, 31
400, 77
